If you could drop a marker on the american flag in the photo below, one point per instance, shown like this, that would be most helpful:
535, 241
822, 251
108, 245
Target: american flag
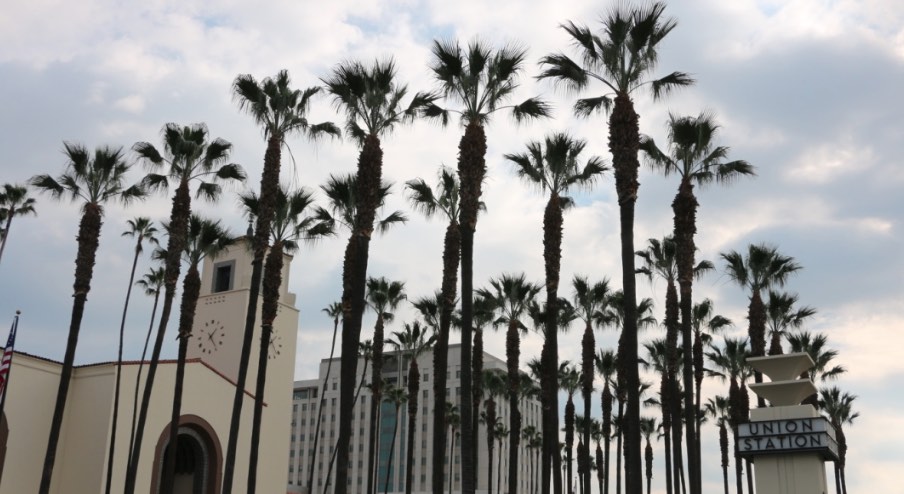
7, 359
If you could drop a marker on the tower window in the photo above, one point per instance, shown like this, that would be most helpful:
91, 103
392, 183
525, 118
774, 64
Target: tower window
222, 276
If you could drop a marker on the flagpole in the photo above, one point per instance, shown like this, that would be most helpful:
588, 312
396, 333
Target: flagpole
7, 362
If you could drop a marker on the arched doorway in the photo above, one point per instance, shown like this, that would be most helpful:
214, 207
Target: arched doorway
199, 458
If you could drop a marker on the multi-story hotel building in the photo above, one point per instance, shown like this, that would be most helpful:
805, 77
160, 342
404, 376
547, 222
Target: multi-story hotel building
322, 394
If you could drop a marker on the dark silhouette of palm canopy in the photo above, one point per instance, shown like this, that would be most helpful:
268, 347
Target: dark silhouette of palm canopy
705, 322
14, 201
280, 111
511, 295
782, 317
837, 406
718, 409
293, 222
206, 238
591, 302
94, 180
694, 156
187, 157
480, 80
622, 57
555, 167
342, 205
142, 229
730, 362
493, 383
371, 99
659, 360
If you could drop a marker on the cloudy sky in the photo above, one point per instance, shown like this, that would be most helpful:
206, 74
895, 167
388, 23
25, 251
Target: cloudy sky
808, 91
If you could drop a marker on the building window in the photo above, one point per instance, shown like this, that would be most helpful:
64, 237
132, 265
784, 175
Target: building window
334, 388
222, 276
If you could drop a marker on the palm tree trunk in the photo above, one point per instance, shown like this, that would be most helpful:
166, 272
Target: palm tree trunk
552, 257
451, 458
624, 142
191, 288
269, 308
723, 447
499, 469
5, 232
354, 278
618, 450
329, 366
749, 475
648, 456
685, 209
673, 402
698, 416
664, 405
599, 467
376, 381
569, 442
414, 379
395, 430
513, 355
588, 346
178, 234
88, 241
490, 456
333, 455
756, 315
739, 471
451, 255
144, 352
122, 330
677, 427
471, 170
477, 394
607, 431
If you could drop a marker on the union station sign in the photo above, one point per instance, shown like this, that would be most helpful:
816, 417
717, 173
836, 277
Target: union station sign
788, 436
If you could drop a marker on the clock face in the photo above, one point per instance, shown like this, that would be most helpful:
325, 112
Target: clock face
276, 345
211, 336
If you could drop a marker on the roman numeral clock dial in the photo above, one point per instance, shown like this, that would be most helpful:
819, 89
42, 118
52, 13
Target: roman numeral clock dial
210, 337
276, 345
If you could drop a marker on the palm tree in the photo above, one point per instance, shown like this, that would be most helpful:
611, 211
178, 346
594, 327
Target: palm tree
730, 361
453, 421
837, 407
694, 157
569, 381
291, 224
493, 384
480, 79
554, 166
527, 435
94, 180
412, 342
206, 238
397, 396
482, 317
341, 193
188, 156
622, 57
591, 302
596, 431
152, 283
500, 433
383, 297
444, 202
14, 201
648, 426
718, 408
334, 311
815, 346
781, 316
280, 111
605, 365
371, 99
659, 360
762, 268
142, 229
511, 295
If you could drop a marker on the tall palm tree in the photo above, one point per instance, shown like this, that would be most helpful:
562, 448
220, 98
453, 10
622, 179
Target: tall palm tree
14, 201
658, 359
623, 57
292, 222
837, 407
500, 433
648, 427
695, 158
280, 112
334, 311
596, 432
187, 157
605, 365
480, 80
206, 238
762, 268
482, 317
704, 324
152, 283
93, 180
591, 302
412, 342
371, 99
383, 297
442, 201
397, 396
569, 381
527, 435
814, 344
142, 229
718, 408
730, 362
493, 384
453, 421
555, 167
511, 296
781, 317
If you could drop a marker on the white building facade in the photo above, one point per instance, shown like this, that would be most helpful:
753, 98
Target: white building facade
309, 395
